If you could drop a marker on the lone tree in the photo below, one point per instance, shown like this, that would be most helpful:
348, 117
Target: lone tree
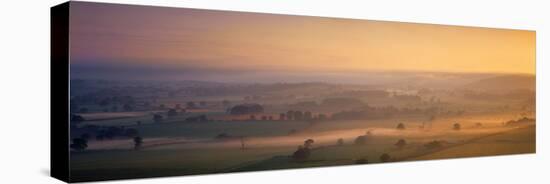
157, 118
243, 109
385, 157
360, 140
290, 115
79, 144
456, 126
401, 143
369, 132
400, 126
304, 151
172, 113
308, 143
242, 142
282, 116
340, 142
301, 154
76, 119
478, 125
138, 141
191, 105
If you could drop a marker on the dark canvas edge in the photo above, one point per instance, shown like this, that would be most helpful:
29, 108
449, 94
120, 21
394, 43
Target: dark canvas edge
59, 92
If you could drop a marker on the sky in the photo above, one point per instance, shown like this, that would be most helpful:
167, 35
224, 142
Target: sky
115, 40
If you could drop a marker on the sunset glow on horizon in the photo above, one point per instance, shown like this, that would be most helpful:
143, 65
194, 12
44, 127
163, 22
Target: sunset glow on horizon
174, 38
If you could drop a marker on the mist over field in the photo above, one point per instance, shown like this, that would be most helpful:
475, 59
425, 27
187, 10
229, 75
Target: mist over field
381, 117
172, 91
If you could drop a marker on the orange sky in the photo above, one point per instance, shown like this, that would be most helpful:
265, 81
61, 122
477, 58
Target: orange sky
128, 35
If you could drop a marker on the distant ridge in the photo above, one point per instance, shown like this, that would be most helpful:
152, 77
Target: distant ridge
504, 82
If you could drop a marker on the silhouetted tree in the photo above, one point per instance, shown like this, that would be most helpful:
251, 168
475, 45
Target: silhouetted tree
79, 144
242, 142
385, 157
76, 119
191, 105
456, 126
282, 116
308, 143
246, 109
304, 151
340, 142
157, 118
360, 140
290, 115
138, 141
301, 154
369, 132
172, 113
400, 126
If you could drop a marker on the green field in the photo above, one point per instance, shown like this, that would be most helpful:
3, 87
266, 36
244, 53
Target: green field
519, 141
269, 146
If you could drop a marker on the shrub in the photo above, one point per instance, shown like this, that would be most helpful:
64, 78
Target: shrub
340, 142
302, 153
385, 157
308, 143
79, 144
400, 126
478, 125
138, 141
456, 126
360, 140
157, 118
362, 161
